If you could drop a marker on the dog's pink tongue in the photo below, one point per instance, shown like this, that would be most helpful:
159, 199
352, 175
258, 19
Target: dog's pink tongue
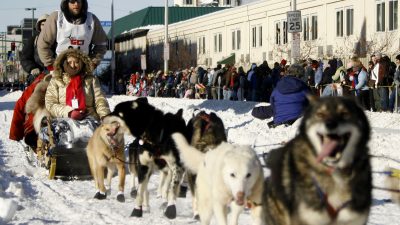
328, 146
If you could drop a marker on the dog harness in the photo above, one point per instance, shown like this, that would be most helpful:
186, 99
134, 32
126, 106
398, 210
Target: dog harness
332, 212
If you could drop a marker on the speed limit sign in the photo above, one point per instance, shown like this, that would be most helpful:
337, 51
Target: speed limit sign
294, 21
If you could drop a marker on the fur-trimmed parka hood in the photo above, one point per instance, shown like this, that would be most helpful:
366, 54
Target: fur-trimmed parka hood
86, 63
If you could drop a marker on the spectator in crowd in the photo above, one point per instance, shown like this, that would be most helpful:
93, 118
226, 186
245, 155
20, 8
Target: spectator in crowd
251, 78
243, 84
361, 87
30, 60
396, 85
72, 27
288, 100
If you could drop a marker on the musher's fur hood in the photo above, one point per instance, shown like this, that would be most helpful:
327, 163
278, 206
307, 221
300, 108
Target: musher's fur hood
86, 63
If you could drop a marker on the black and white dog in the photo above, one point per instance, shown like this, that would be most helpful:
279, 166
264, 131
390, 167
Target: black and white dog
154, 129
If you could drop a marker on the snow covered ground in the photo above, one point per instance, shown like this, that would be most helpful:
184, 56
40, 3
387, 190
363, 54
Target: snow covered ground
28, 197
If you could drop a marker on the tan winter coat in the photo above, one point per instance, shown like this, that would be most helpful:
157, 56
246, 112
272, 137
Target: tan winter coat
96, 102
48, 37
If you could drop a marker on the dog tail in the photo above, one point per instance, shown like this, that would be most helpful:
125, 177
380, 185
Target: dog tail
191, 157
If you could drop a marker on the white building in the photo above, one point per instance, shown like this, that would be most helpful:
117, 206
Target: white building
258, 31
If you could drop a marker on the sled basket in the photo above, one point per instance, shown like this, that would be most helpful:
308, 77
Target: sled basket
63, 147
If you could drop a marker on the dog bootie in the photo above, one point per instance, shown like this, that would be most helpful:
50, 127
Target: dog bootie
120, 197
137, 212
170, 212
133, 193
100, 196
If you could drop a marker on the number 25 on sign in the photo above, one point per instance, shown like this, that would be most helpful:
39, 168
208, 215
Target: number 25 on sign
294, 21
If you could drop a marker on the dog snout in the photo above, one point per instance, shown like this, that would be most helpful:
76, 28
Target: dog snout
113, 131
331, 124
240, 198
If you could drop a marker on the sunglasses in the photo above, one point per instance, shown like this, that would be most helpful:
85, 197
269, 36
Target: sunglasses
75, 1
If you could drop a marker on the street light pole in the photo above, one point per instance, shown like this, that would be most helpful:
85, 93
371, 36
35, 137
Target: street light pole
33, 17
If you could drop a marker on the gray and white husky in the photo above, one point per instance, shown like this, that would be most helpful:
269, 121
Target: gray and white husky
323, 175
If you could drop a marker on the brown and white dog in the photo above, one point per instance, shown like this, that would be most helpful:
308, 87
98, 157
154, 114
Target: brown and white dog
106, 150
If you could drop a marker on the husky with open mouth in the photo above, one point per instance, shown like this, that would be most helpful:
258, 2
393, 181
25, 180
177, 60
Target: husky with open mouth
323, 175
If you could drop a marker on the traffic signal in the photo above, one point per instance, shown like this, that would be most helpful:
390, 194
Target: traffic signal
12, 46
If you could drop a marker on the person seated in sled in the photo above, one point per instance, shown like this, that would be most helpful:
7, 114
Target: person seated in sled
74, 100
74, 92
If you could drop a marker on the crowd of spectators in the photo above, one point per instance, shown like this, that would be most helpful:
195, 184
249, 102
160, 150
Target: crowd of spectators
373, 85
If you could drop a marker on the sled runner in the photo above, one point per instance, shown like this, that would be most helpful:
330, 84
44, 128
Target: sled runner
62, 147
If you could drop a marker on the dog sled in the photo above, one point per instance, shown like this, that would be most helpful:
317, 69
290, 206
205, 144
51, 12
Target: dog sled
62, 145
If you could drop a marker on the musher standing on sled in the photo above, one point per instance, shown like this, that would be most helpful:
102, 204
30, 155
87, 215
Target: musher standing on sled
72, 27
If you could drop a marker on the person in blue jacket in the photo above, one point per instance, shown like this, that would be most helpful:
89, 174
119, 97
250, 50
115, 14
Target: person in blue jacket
288, 99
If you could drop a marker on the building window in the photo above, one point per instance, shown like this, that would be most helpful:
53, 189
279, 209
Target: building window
260, 37
380, 16
254, 37
285, 33
339, 23
202, 45
306, 29
188, 2
215, 42
238, 39
349, 21
233, 40
277, 33
393, 14
314, 28
220, 42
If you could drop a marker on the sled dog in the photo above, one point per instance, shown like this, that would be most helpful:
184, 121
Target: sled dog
142, 163
228, 174
106, 150
154, 129
206, 131
323, 175
36, 103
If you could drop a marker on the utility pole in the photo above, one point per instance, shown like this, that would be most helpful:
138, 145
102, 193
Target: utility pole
112, 49
166, 44
33, 17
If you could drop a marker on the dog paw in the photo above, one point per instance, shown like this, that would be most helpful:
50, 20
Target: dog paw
133, 193
137, 212
121, 197
196, 217
170, 212
100, 196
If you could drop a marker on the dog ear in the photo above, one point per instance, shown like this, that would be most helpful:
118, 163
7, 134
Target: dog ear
142, 100
312, 98
179, 113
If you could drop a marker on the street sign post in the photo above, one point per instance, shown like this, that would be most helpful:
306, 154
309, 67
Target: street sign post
294, 21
